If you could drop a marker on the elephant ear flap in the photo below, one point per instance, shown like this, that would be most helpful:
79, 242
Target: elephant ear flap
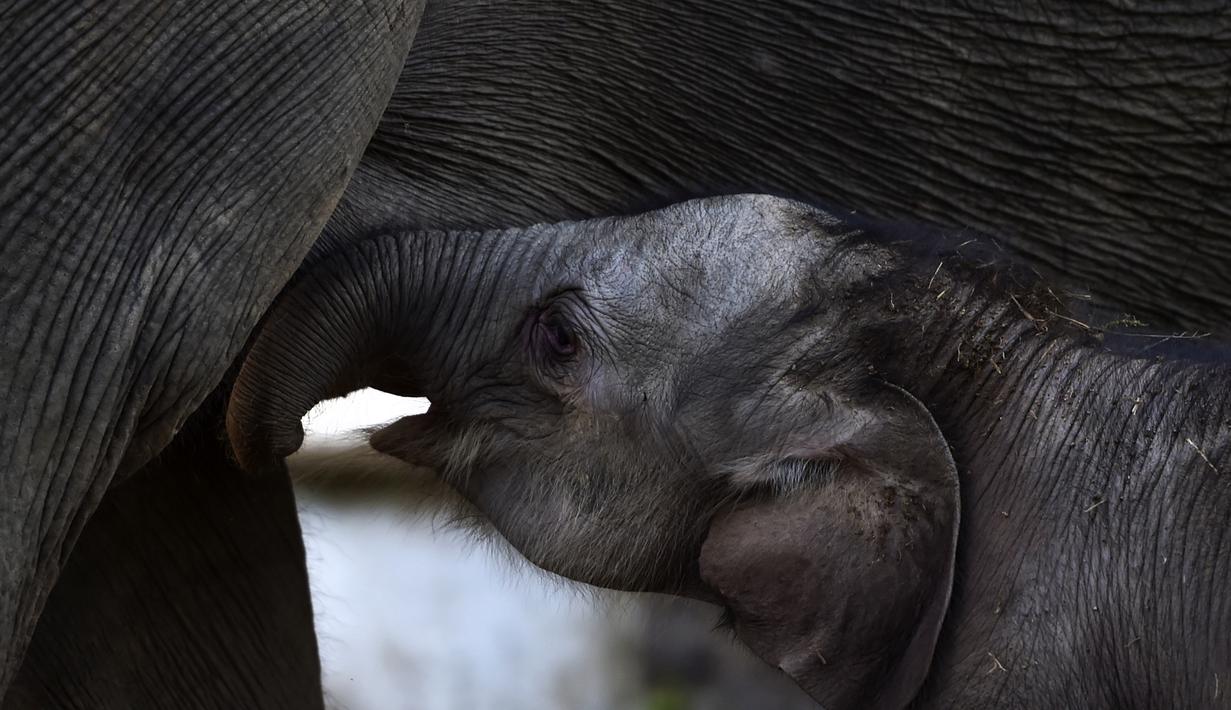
838, 569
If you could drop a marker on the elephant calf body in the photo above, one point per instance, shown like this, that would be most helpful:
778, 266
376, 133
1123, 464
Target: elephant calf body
909, 478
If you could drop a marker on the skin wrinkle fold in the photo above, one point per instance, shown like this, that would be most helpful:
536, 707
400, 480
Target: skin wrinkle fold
1179, 523
183, 404
988, 480
74, 279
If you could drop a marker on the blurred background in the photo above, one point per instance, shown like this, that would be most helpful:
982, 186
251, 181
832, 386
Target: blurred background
415, 612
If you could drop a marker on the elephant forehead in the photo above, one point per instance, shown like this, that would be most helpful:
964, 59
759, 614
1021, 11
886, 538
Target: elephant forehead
737, 231
710, 259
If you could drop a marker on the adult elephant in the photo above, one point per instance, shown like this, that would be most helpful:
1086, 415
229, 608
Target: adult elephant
166, 166
1088, 138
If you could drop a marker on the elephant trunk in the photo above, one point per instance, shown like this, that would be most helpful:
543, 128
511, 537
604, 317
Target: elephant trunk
364, 318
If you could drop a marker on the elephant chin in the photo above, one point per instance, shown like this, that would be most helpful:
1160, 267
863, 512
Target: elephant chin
416, 439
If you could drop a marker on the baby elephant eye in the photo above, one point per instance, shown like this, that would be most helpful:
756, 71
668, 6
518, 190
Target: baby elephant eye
559, 338
553, 336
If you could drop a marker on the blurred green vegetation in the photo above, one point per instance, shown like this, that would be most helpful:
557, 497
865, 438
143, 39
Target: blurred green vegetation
667, 698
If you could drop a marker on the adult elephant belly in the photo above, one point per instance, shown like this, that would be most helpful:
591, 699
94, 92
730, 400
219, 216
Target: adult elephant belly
1090, 141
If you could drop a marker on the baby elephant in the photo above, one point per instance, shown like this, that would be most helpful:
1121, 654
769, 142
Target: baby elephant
909, 477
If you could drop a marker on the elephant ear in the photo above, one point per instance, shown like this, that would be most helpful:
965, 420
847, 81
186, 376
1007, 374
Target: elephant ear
843, 581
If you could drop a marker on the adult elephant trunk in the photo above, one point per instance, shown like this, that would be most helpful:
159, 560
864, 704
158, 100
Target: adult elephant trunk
384, 313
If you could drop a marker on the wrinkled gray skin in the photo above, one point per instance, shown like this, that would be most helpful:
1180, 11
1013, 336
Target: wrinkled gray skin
166, 166
1089, 139
749, 401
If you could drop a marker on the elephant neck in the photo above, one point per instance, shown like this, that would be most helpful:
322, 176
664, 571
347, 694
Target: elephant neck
965, 344
1074, 463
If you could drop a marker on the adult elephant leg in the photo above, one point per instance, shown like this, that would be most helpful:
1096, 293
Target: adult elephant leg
188, 589
164, 167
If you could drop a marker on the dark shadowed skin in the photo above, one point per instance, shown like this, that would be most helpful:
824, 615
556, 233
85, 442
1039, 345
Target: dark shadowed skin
755, 403
183, 593
1088, 138
164, 168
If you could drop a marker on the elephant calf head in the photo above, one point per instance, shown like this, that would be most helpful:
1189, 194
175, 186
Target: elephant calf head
678, 401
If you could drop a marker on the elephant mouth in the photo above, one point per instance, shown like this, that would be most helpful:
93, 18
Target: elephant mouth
415, 439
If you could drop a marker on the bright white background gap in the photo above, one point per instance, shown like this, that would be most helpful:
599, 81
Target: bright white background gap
365, 408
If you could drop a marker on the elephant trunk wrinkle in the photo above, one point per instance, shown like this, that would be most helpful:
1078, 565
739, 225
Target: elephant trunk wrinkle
384, 313
314, 347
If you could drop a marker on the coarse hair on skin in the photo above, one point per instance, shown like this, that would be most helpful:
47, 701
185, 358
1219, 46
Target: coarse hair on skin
349, 468
623, 502
352, 472
970, 260
913, 275
975, 259
976, 262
